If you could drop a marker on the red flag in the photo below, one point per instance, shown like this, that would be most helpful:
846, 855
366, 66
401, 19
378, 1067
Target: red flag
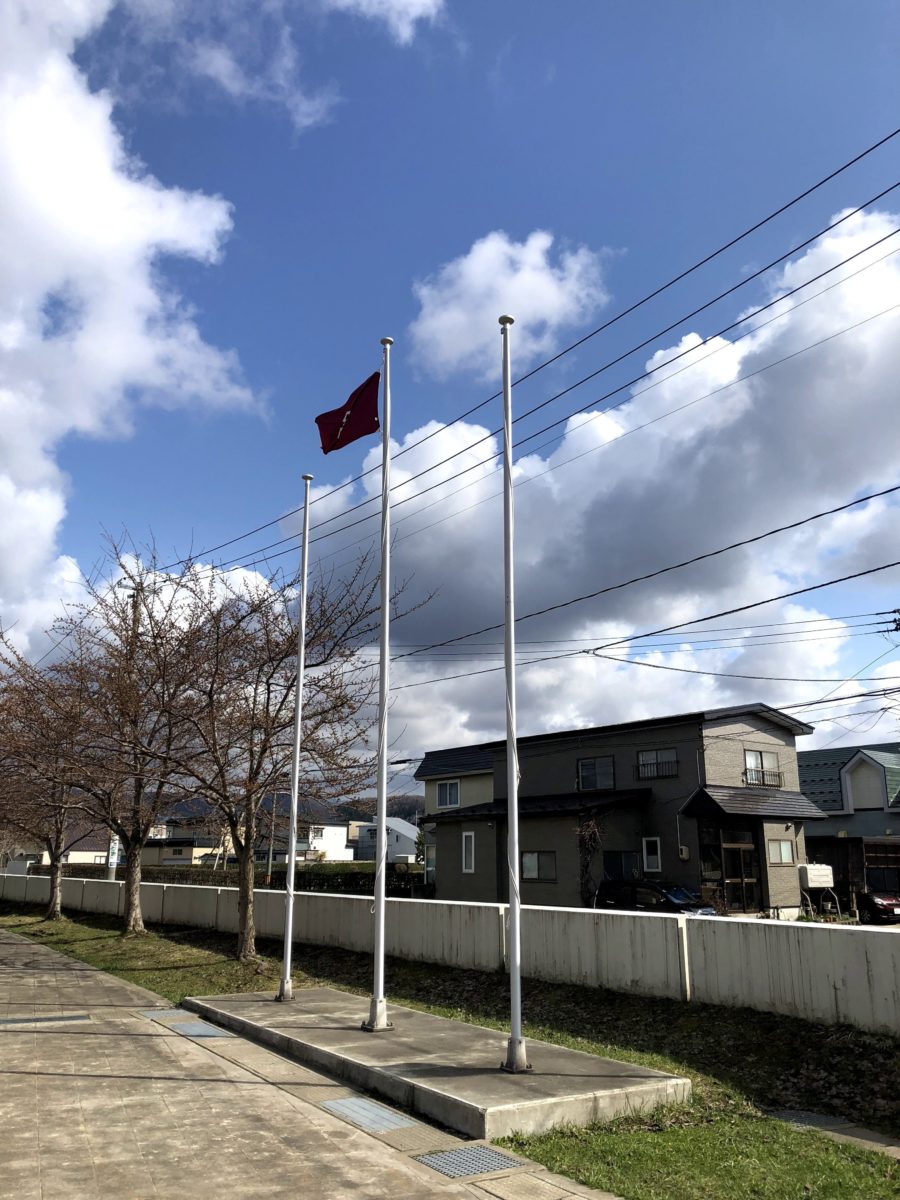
355, 419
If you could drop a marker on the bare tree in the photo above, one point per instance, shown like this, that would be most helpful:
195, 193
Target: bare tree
242, 706
38, 732
128, 658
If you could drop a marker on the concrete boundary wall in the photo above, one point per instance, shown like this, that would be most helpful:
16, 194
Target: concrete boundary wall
827, 973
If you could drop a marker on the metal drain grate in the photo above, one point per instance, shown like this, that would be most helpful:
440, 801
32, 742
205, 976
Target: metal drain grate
367, 1114
166, 1014
468, 1160
43, 1020
199, 1029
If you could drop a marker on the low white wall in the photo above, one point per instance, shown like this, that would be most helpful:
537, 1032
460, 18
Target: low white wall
828, 973
627, 952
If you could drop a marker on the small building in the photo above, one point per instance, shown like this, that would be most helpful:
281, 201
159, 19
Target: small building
401, 840
858, 789
710, 800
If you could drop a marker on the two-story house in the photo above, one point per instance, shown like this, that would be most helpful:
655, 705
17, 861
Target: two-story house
710, 800
858, 790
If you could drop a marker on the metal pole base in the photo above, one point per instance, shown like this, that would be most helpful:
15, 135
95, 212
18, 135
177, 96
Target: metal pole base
516, 1062
377, 1021
285, 990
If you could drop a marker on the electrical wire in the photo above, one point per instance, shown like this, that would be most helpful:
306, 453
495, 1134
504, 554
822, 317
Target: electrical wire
704, 261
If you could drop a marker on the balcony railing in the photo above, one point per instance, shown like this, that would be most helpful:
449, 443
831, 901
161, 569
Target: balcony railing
667, 769
757, 777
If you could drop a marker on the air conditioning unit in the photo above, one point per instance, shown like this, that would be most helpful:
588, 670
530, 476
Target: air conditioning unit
815, 875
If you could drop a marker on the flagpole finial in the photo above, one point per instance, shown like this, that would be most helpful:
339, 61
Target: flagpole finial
387, 341
305, 477
506, 320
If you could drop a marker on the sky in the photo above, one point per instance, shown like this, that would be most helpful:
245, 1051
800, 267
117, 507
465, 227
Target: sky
212, 210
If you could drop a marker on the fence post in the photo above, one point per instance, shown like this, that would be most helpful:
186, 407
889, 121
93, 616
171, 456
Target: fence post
503, 947
684, 964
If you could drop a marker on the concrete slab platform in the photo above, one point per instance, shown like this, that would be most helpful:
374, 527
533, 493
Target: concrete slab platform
446, 1070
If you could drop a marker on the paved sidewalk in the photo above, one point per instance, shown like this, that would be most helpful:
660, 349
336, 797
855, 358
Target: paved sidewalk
106, 1091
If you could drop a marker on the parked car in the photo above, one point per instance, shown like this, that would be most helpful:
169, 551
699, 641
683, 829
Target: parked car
644, 895
879, 908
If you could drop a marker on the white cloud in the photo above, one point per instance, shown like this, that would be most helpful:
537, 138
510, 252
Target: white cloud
456, 329
246, 49
400, 16
775, 446
88, 326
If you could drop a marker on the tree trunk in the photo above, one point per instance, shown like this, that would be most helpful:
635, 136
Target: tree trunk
134, 920
54, 908
246, 948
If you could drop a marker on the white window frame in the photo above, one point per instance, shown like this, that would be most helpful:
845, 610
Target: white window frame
468, 839
99, 860
780, 861
445, 783
645, 843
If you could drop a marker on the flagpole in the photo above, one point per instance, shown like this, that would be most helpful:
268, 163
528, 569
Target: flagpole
378, 1010
516, 1059
286, 990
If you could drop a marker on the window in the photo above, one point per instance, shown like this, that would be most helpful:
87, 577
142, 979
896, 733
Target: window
468, 852
652, 856
448, 793
99, 859
176, 852
317, 831
761, 768
657, 764
595, 774
621, 864
539, 864
781, 851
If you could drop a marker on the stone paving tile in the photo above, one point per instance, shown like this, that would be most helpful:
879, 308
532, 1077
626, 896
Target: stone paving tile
120, 1106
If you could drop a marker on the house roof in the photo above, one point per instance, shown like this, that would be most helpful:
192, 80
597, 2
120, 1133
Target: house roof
460, 760
478, 759
406, 828
752, 802
313, 812
820, 772
84, 838
546, 806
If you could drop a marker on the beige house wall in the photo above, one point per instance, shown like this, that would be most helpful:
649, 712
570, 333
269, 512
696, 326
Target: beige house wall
864, 783
725, 741
473, 789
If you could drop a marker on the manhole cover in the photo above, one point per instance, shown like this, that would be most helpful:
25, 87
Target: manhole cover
367, 1114
468, 1160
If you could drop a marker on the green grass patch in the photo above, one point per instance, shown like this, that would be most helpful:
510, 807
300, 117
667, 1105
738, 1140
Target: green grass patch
721, 1146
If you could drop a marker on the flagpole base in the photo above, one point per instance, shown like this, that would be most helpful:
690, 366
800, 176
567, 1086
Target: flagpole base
285, 990
516, 1060
378, 1021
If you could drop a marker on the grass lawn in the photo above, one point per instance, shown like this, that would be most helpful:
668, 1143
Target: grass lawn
721, 1146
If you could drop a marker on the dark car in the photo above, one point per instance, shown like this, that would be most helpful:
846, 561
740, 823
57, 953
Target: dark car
643, 895
879, 908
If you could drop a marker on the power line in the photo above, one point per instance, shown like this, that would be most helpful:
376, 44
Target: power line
614, 587
611, 363
665, 629
678, 278
242, 561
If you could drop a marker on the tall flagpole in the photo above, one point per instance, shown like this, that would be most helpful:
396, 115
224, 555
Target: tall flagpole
516, 1059
286, 990
378, 1009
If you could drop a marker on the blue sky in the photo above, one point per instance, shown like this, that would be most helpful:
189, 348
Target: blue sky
654, 130
330, 168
